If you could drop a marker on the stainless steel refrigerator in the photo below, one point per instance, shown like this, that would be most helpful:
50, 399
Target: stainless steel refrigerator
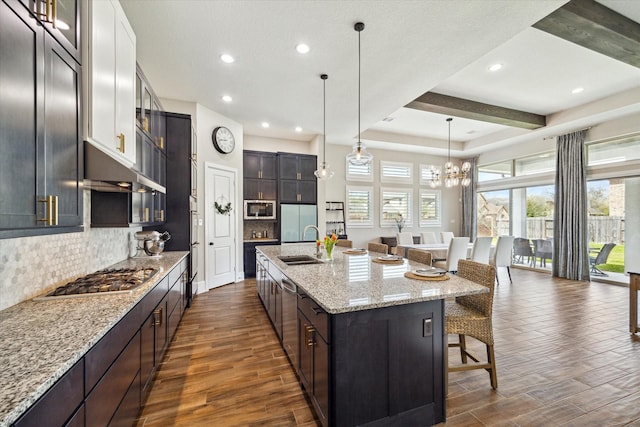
293, 219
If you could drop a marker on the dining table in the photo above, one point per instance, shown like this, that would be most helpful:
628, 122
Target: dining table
438, 251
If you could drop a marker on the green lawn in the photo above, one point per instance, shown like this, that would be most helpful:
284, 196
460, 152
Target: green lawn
615, 262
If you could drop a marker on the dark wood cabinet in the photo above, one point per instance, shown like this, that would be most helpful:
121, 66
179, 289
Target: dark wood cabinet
298, 167
259, 165
297, 183
40, 147
314, 354
250, 257
259, 189
58, 404
66, 14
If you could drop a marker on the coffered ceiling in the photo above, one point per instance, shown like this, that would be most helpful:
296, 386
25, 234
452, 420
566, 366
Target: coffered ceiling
417, 58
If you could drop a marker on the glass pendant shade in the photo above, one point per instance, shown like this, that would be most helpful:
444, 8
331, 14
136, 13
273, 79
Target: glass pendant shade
325, 171
359, 156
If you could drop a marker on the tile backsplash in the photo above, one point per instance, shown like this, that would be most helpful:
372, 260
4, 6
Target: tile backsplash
29, 266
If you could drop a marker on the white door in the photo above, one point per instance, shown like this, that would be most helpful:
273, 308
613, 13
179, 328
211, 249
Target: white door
220, 228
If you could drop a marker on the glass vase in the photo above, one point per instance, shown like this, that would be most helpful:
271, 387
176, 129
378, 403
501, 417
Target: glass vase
329, 250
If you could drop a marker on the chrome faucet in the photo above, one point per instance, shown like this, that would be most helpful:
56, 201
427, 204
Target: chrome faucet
304, 233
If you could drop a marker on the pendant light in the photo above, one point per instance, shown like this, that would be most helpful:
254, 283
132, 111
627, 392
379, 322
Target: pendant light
359, 156
453, 174
325, 171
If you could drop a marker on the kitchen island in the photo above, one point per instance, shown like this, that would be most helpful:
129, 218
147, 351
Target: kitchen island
370, 346
81, 347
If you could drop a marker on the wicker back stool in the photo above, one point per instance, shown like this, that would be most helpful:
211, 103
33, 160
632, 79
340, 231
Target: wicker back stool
344, 243
471, 315
419, 255
378, 247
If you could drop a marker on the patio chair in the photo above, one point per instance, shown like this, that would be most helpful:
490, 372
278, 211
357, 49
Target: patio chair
543, 249
600, 258
522, 248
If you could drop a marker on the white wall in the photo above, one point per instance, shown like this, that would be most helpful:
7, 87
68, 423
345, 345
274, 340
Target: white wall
273, 145
336, 191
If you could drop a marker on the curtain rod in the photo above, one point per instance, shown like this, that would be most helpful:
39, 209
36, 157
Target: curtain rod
555, 136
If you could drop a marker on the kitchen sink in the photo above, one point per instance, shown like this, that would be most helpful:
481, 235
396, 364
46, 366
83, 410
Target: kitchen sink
299, 259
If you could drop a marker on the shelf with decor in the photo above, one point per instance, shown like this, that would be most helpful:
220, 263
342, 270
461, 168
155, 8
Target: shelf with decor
334, 219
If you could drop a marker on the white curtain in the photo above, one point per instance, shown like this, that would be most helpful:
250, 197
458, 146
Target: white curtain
570, 239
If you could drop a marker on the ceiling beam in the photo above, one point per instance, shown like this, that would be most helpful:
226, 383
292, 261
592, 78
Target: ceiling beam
443, 104
596, 27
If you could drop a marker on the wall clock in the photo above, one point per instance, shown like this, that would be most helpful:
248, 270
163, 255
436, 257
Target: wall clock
223, 140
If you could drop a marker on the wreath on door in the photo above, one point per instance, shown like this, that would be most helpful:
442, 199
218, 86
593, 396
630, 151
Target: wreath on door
223, 206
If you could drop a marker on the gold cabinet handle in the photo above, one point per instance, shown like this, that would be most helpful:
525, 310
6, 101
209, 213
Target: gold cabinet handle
51, 210
161, 214
146, 214
157, 314
121, 146
309, 335
54, 12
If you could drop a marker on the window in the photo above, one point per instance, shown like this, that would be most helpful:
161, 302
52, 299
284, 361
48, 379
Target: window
395, 203
396, 172
493, 213
430, 208
360, 172
426, 174
619, 150
540, 163
495, 171
360, 206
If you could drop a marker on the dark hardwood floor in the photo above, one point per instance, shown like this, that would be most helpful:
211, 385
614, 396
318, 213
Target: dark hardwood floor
563, 350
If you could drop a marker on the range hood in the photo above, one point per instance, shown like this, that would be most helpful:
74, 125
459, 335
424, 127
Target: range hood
103, 172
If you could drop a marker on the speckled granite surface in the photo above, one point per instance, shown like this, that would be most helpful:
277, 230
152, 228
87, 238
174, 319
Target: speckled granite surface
42, 340
354, 282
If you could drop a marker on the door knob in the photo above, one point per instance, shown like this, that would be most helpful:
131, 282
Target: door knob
210, 243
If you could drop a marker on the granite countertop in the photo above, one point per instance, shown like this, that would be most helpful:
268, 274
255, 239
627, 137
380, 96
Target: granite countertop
42, 340
262, 239
355, 282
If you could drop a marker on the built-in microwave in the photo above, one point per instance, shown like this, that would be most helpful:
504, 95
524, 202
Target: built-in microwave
259, 209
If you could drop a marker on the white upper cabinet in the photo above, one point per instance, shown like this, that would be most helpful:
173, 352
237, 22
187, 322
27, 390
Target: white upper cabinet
110, 55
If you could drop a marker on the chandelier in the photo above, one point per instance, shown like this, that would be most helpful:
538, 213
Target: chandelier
453, 174
359, 156
325, 171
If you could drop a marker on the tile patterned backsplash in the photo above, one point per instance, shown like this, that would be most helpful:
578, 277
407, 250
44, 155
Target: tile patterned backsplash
29, 266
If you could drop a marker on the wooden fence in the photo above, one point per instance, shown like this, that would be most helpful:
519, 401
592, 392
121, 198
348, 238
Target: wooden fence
601, 229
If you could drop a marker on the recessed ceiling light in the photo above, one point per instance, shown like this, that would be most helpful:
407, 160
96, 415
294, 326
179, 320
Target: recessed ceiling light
227, 98
227, 58
298, 129
265, 125
495, 67
577, 90
302, 48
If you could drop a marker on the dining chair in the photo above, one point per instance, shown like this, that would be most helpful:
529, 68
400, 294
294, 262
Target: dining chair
378, 247
419, 255
458, 247
446, 236
470, 315
481, 250
404, 238
344, 243
428, 237
600, 258
522, 248
502, 256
